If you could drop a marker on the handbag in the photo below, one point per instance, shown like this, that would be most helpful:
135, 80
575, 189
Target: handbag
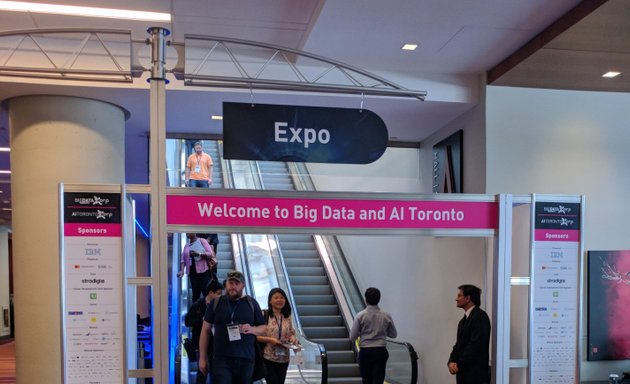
260, 369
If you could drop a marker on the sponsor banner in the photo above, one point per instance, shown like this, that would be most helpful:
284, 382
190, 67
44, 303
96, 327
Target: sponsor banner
556, 235
554, 288
92, 288
329, 213
302, 134
88, 229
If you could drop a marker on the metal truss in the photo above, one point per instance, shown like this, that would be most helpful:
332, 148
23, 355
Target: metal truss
106, 55
68, 54
233, 63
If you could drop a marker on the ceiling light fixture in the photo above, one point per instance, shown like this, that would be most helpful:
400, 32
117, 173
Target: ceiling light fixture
6, 209
5, 172
71, 10
217, 117
5, 149
611, 74
409, 47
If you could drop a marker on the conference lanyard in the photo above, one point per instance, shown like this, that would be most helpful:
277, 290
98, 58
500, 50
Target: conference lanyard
232, 310
279, 322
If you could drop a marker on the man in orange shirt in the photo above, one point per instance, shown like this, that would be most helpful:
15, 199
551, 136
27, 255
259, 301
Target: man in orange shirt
198, 168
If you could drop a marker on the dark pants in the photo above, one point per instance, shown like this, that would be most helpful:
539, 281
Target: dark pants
201, 378
276, 372
197, 282
198, 183
372, 363
232, 370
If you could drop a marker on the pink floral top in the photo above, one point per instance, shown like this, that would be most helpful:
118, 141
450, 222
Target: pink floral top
274, 352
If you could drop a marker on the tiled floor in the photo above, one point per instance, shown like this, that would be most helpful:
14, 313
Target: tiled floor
7, 363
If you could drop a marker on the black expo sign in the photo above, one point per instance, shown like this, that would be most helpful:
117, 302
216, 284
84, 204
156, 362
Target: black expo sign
302, 134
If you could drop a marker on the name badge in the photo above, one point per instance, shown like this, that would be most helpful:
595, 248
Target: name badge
197, 169
234, 332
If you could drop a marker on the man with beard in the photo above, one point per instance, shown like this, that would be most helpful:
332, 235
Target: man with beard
237, 320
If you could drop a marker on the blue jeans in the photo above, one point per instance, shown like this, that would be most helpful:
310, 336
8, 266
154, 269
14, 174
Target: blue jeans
232, 370
198, 183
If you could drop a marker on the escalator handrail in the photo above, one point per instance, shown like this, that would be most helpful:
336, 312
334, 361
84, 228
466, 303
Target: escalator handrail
413, 356
324, 356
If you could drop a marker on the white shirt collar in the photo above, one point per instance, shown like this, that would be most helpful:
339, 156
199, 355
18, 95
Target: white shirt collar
467, 313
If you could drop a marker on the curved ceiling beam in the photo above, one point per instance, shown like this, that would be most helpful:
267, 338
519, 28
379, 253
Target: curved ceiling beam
233, 63
106, 55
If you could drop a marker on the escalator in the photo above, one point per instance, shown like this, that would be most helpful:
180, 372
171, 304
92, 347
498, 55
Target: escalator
317, 306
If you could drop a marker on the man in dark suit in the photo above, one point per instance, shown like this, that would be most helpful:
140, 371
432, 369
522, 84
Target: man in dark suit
469, 358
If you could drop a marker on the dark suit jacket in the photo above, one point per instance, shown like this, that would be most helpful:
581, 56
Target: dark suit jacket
470, 352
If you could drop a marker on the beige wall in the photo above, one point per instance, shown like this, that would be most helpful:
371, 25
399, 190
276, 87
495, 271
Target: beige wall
566, 142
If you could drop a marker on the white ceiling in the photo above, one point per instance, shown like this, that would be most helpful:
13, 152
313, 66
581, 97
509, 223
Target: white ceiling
458, 42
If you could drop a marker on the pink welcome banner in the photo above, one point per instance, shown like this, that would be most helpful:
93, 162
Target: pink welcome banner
328, 213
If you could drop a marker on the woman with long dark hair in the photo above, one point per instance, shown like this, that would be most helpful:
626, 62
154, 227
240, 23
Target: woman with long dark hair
280, 336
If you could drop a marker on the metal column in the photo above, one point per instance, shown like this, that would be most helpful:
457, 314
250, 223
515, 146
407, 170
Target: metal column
157, 180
